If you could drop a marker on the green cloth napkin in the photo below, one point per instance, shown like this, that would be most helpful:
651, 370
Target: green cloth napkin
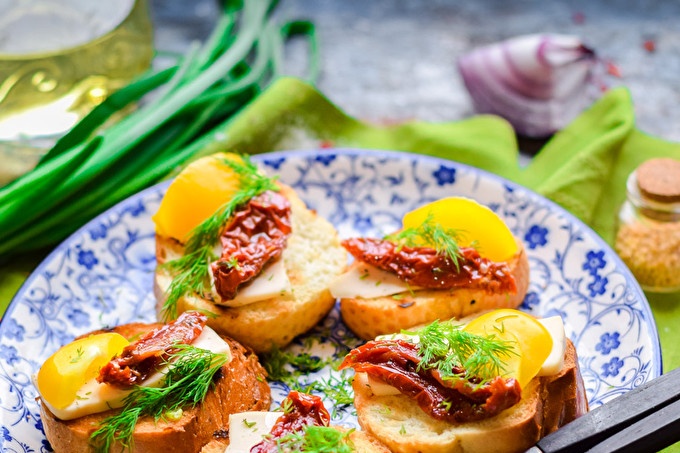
583, 167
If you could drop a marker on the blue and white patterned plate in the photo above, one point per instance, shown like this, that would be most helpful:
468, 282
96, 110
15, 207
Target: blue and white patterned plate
102, 275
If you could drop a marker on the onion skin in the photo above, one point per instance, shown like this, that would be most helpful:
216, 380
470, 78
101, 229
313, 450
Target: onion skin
539, 83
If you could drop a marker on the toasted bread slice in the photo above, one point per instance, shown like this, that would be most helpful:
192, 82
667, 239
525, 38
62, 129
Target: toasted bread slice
368, 318
241, 385
365, 442
547, 403
313, 257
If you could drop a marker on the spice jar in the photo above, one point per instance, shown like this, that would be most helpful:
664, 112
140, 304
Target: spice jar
648, 237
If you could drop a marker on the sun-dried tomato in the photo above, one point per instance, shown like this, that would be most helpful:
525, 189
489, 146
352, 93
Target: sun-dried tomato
143, 357
255, 236
302, 410
395, 362
424, 267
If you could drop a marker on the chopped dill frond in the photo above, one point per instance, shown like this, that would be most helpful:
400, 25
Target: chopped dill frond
277, 362
191, 272
385, 410
287, 406
248, 424
78, 356
316, 439
290, 369
445, 345
336, 388
274, 362
444, 240
231, 263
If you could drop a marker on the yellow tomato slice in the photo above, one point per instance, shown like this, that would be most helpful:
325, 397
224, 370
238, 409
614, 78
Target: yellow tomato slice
65, 372
195, 194
476, 223
531, 340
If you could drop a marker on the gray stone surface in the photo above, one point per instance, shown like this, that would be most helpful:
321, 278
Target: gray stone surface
392, 60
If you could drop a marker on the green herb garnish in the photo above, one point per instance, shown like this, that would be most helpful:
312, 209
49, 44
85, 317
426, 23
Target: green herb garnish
248, 424
78, 356
277, 362
445, 345
444, 240
290, 368
191, 272
336, 388
316, 439
287, 406
232, 263
385, 410
187, 381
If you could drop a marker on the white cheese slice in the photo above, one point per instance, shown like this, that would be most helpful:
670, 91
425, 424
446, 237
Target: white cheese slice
246, 429
368, 282
94, 397
555, 361
272, 281
210, 340
376, 386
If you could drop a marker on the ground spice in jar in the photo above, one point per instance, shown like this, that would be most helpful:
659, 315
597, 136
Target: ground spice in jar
648, 239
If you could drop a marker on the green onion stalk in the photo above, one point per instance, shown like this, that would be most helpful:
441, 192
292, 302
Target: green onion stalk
100, 162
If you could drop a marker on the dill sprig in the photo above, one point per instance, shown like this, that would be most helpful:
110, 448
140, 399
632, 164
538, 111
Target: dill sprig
445, 345
316, 439
444, 240
191, 272
337, 388
290, 369
187, 381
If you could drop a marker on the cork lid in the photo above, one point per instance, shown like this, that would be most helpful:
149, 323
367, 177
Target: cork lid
659, 179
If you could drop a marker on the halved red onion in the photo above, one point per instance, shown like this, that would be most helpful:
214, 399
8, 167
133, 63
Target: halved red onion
539, 83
